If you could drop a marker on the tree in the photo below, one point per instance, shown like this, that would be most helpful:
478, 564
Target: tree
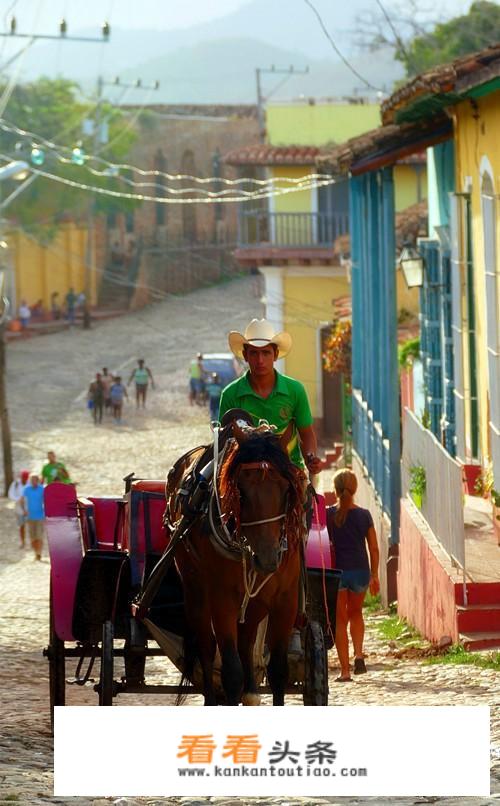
419, 41
450, 40
51, 109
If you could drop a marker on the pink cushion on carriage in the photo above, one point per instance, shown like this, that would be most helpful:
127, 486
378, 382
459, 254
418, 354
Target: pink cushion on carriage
319, 510
65, 550
105, 514
156, 506
318, 549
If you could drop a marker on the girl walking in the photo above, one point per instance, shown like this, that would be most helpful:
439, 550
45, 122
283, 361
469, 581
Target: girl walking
351, 531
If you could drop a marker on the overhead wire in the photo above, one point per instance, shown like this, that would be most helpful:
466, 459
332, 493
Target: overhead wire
13, 80
337, 50
397, 37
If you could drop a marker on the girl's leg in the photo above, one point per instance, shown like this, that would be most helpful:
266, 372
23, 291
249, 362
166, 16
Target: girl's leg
356, 621
341, 638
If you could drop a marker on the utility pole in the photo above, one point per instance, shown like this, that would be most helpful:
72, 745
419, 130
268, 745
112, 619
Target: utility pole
8, 470
261, 99
99, 140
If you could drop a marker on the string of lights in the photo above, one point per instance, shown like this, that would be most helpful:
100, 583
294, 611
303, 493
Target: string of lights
118, 194
113, 168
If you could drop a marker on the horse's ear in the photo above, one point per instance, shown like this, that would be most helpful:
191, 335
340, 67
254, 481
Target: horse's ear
241, 431
285, 437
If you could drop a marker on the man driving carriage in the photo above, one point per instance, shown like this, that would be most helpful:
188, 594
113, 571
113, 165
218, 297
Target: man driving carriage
266, 394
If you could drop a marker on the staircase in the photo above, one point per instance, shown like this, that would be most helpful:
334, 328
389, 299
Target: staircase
479, 620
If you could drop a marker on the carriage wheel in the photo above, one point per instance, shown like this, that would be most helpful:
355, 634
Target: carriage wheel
106, 682
57, 667
315, 691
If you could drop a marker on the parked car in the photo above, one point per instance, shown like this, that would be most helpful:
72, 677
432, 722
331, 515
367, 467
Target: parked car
225, 365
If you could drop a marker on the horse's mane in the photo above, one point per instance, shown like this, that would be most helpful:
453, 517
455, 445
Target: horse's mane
261, 447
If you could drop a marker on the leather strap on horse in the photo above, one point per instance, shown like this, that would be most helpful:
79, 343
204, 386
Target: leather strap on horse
156, 576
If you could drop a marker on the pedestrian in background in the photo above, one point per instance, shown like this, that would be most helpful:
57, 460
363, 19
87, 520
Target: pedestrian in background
107, 381
96, 397
16, 494
33, 509
24, 314
141, 375
117, 392
196, 382
54, 470
351, 531
70, 306
214, 390
54, 306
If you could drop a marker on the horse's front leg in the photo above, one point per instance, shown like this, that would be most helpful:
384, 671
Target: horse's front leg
279, 629
247, 634
225, 618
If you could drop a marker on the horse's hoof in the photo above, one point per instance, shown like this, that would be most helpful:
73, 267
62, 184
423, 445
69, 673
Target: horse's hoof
249, 698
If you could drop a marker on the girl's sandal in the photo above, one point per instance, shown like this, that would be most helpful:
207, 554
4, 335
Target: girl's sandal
343, 679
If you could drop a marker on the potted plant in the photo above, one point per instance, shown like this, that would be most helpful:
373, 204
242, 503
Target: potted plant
484, 483
495, 501
417, 484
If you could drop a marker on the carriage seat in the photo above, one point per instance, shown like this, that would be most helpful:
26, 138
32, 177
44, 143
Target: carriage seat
146, 536
105, 514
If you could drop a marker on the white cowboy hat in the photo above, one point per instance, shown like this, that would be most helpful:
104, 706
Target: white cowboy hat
259, 333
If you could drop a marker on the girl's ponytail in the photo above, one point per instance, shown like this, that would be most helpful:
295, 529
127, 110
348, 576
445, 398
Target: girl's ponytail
346, 484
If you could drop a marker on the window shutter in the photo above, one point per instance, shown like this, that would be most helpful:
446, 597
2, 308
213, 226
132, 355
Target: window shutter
492, 286
457, 321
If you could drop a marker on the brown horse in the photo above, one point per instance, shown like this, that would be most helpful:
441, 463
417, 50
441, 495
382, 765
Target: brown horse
240, 563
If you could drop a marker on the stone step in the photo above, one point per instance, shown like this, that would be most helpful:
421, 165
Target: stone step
478, 593
478, 618
480, 640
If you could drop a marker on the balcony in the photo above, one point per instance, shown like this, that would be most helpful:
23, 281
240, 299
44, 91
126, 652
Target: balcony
266, 236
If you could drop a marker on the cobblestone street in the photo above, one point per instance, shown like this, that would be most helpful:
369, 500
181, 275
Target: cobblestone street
48, 378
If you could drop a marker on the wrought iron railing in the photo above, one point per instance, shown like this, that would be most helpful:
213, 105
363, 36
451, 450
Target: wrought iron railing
295, 230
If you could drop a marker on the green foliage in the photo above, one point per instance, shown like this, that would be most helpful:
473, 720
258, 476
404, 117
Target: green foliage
484, 482
418, 481
51, 109
394, 628
426, 418
457, 654
495, 497
372, 604
408, 352
450, 40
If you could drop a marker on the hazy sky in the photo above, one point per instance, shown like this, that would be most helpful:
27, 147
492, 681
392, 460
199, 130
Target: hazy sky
43, 15
159, 14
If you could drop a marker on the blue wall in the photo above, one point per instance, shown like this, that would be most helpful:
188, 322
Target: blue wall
376, 408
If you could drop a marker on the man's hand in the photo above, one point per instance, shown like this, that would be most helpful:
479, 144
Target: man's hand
313, 464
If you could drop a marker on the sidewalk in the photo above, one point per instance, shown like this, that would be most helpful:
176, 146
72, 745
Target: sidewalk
43, 328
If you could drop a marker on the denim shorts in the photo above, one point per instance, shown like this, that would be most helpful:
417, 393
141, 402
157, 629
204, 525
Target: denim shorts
356, 581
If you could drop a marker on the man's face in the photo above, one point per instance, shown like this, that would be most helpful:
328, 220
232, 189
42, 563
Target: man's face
51, 456
34, 480
260, 359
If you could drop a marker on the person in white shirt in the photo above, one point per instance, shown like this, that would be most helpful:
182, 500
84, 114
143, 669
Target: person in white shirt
15, 494
24, 314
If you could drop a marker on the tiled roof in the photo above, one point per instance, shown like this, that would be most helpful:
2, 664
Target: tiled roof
451, 80
385, 146
265, 154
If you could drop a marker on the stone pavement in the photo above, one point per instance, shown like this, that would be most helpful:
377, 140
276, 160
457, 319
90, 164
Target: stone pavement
54, 417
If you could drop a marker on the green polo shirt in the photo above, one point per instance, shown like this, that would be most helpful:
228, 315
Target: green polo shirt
287, 402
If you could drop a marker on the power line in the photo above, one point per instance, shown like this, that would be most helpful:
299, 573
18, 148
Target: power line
397, 37
336, 49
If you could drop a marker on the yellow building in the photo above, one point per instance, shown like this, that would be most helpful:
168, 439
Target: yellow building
477, 161
38, 270
295, 238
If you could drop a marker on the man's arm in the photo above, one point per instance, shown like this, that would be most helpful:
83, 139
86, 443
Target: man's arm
309, 446
24, 504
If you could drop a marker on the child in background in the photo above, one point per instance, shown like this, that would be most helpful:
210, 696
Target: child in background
351, 531
117, 393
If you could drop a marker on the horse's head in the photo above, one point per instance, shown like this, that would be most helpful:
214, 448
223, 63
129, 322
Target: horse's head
270, 495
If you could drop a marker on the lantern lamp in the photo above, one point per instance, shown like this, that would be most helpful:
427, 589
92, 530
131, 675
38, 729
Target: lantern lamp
412, 265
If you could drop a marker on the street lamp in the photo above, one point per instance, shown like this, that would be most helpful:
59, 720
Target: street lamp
17, 169
412, 265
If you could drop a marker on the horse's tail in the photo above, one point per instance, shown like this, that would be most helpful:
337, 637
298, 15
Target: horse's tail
190, 655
